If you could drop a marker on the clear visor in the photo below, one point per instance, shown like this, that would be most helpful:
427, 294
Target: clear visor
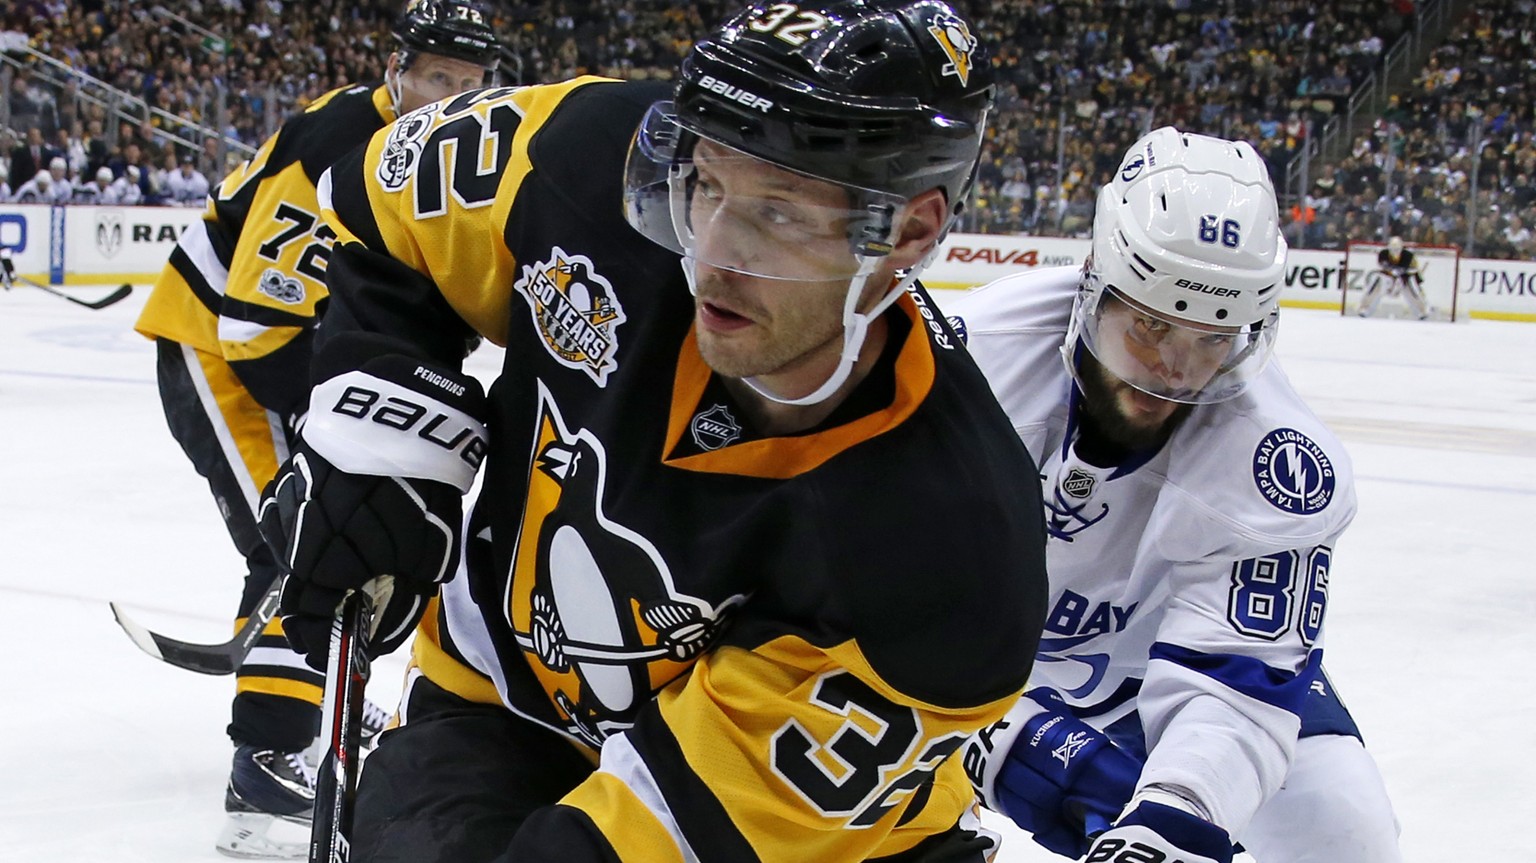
725, 209
1170, 358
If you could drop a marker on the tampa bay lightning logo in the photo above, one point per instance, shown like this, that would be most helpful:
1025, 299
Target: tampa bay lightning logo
1132, 168
1293, 473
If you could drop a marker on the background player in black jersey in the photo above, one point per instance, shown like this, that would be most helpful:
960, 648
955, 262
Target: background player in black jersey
1398, 269
233, 314
744, 499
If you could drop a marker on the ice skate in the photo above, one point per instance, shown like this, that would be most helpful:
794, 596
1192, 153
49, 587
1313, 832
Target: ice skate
375, 720
269, 800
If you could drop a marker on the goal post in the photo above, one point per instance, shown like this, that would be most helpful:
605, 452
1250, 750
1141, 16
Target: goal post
1438, 266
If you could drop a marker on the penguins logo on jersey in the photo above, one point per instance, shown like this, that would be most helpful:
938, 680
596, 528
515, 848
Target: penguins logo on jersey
954, 36
575, 311
402, 149
592, 602
1293, 473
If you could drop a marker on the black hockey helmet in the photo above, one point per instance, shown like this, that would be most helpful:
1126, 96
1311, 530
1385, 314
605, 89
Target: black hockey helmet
460, 29
895, 99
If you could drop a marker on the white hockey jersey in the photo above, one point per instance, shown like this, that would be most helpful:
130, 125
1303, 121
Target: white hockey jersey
1189, 585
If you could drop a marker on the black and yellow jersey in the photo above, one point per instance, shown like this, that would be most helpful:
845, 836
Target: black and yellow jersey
776, 642
246, 282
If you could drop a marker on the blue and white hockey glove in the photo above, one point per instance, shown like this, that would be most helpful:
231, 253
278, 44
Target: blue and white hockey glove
1053, 774
1153, 833
373, 498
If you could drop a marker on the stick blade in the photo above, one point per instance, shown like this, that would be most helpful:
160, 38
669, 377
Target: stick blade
214, 659
121, 293
139, 635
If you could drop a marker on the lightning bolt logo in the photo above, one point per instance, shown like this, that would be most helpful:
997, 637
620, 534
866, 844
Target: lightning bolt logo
1293, 473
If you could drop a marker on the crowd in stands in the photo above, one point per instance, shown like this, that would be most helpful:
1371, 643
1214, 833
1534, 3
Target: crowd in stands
1079, 81
1465, 123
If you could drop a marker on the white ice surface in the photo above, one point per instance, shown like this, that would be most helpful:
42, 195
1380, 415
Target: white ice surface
108, 755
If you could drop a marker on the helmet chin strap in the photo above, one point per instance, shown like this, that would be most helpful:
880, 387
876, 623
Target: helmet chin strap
395, 89
855, 329
855, 323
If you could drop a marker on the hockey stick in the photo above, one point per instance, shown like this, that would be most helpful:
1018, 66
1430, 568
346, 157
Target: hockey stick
346, 675
122, 291
205, 658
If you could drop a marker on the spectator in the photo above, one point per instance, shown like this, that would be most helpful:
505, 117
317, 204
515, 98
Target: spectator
38, 190
29, 158
91, 192
124, 191
186, 186
60, 185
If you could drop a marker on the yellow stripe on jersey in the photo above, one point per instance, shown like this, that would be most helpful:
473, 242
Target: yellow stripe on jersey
250, 425
174, 312
457, 240
296, 689
808, 749
618, 812
427, 653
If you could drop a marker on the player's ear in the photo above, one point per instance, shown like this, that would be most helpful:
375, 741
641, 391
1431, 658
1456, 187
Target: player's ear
922, 221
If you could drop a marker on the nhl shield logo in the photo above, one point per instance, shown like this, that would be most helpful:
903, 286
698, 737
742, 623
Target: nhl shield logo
575, 311
1079, 483
714, 428
109, 233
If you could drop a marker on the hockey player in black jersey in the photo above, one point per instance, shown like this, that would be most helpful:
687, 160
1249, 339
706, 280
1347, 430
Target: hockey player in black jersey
729, 588
1397, 270
233, 315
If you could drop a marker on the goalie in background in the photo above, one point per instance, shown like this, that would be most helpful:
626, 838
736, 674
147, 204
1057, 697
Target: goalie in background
1397, 269
233, 314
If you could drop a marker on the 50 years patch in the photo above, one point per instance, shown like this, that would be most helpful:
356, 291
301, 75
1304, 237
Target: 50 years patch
575, 311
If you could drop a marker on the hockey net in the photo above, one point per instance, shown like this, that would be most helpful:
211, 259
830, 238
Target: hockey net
1439, 267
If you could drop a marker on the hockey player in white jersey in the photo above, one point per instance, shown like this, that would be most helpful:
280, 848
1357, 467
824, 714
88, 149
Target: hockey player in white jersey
1193, 502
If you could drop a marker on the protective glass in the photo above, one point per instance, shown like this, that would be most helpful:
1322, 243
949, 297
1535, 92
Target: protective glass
728, 210
1170, 358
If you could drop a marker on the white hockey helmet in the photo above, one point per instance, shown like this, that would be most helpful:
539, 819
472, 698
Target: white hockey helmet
1395, 246
1180, 295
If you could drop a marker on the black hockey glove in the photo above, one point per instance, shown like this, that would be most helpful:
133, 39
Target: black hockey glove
373, 498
